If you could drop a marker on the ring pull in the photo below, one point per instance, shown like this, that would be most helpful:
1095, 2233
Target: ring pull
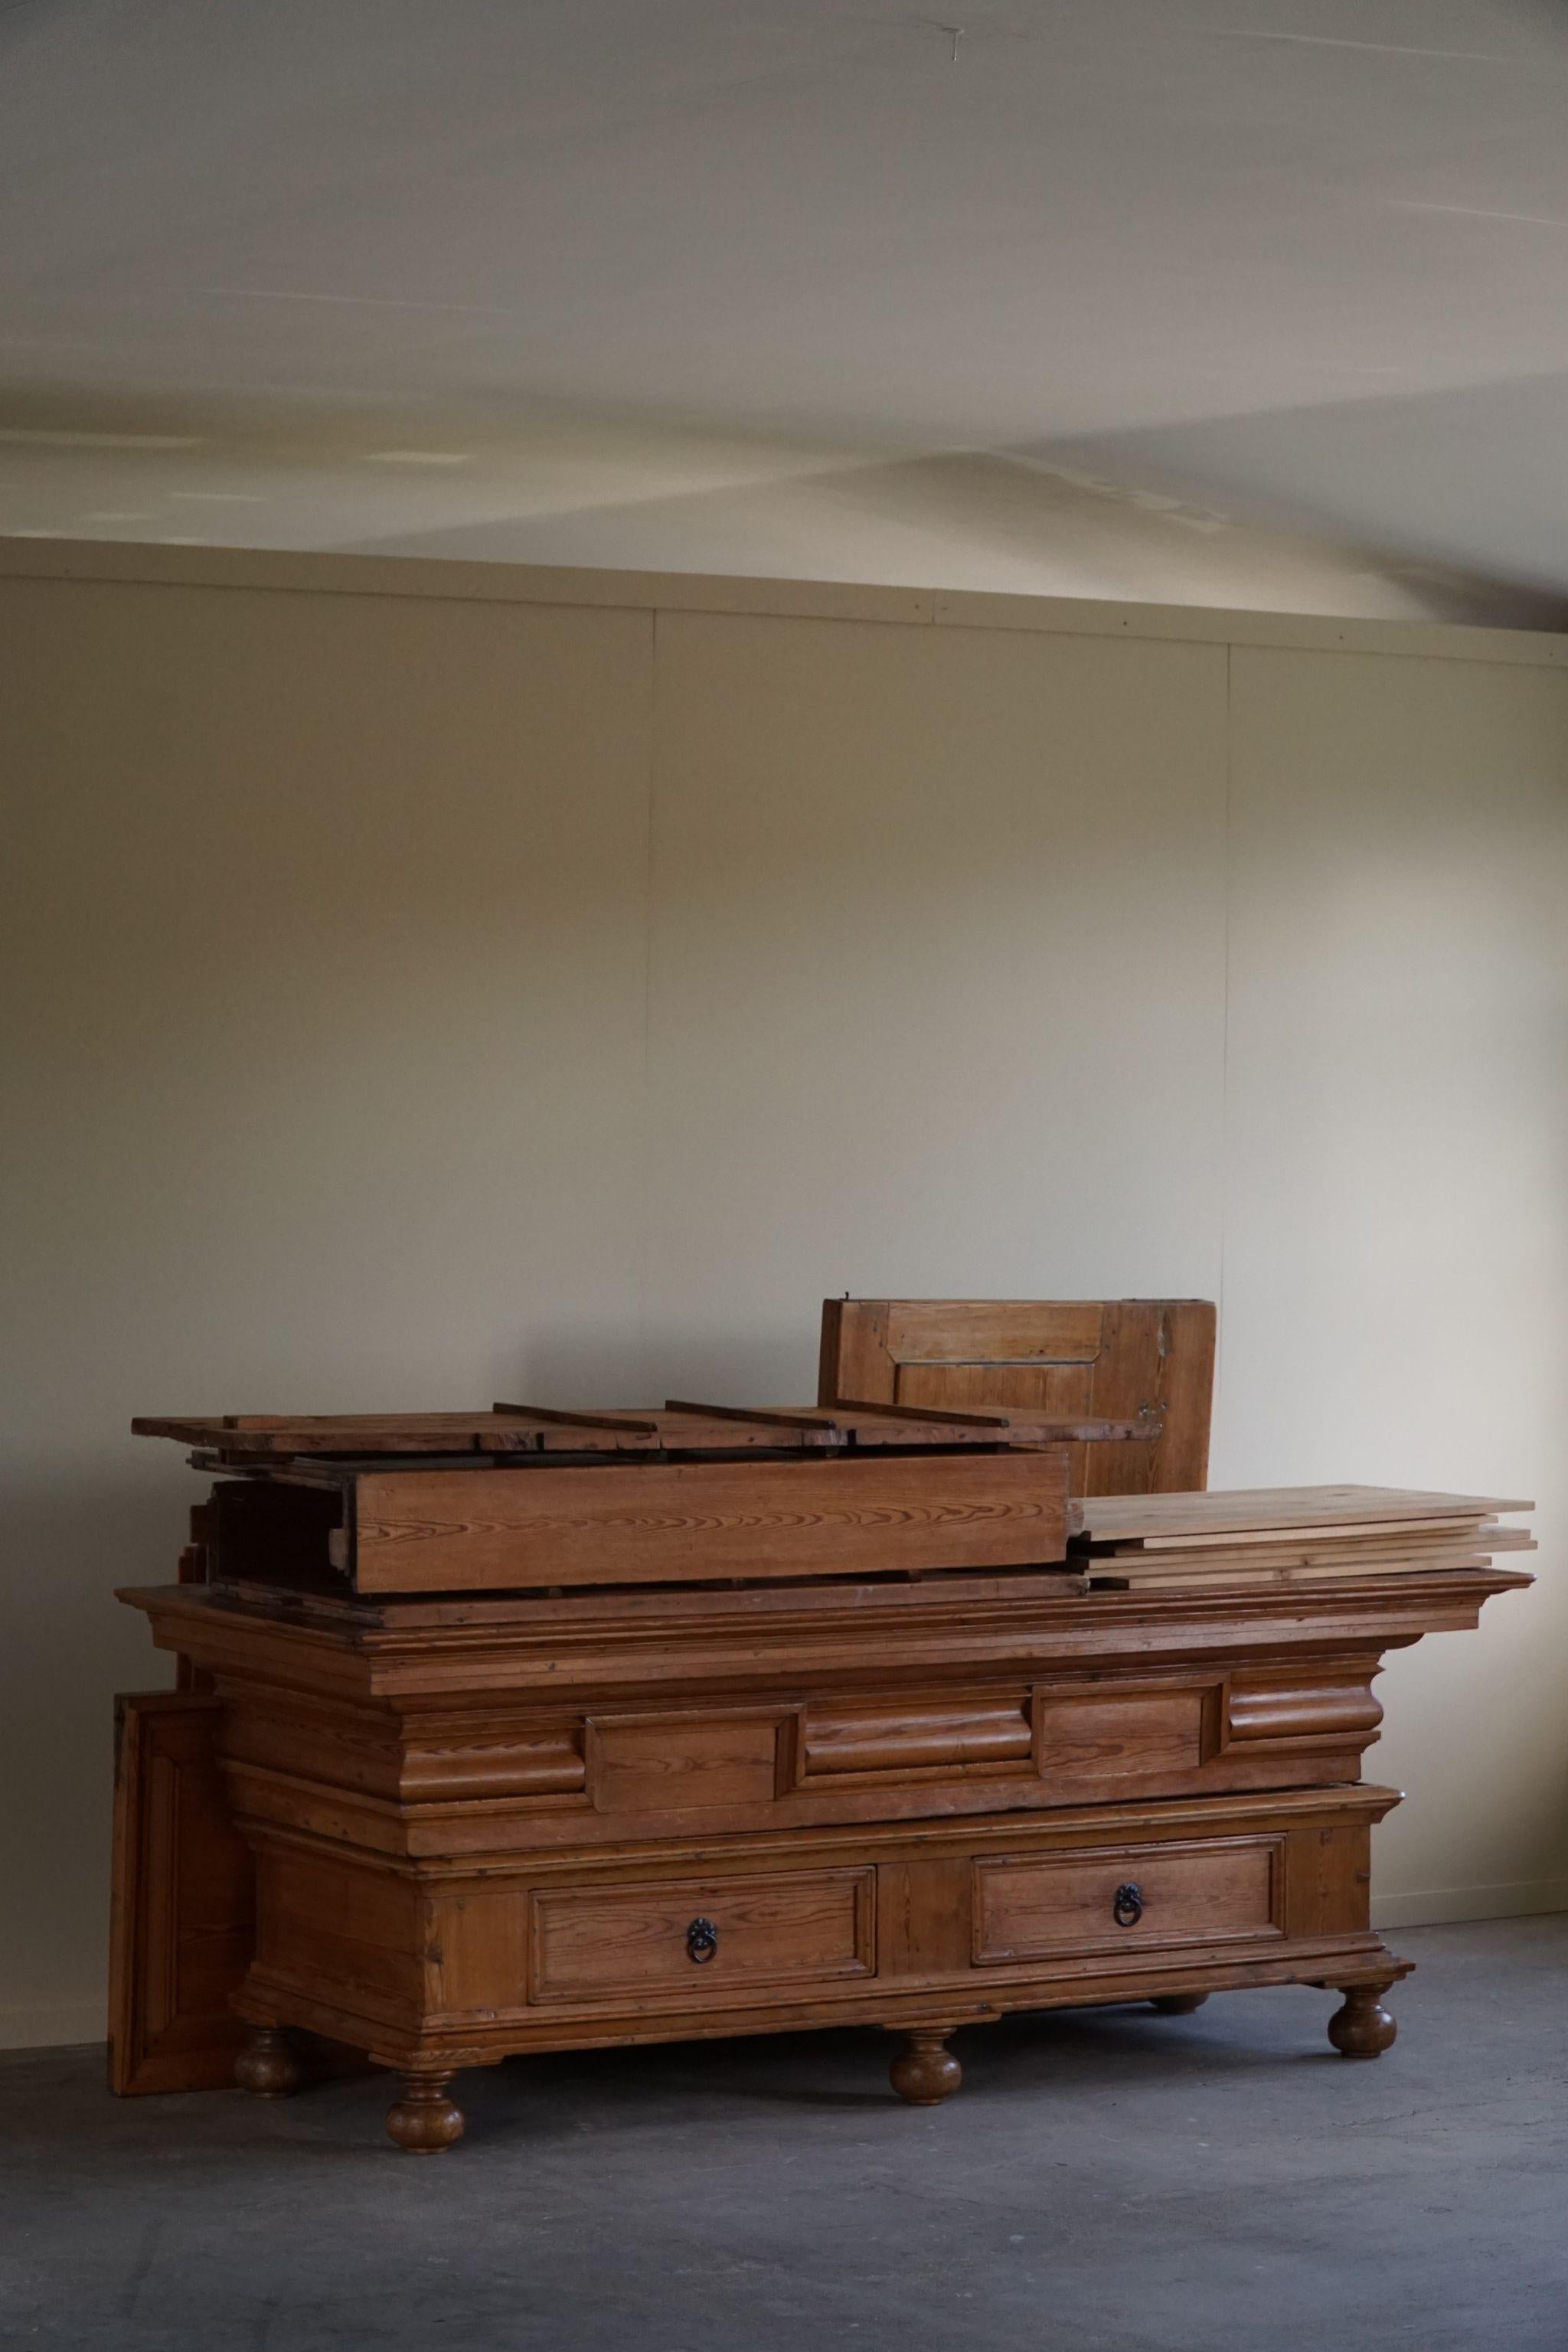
1128, 1907
701, 1941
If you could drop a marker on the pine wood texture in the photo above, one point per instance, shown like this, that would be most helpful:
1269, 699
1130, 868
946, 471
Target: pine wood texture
1145, 1364
656, 1523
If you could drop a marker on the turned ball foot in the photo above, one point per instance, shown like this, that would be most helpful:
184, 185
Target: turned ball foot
424, 2120
1363, 2028
924, 2073
268, 2066
1178, 2004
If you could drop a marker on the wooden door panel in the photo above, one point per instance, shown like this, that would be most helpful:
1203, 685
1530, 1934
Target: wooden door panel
184, 1899
1112, 1359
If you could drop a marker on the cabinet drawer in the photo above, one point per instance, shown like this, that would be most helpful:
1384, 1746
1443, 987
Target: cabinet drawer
699, 1937
1126, 1896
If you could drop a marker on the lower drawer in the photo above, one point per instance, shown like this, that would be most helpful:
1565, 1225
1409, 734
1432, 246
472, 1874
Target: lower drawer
1203, 1893
696, 1937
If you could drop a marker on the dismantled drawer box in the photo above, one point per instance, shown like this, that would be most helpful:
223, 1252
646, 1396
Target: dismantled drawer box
520, 1502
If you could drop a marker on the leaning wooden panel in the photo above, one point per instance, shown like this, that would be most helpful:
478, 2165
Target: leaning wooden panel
486, 1530
182, 1905
1112, 1359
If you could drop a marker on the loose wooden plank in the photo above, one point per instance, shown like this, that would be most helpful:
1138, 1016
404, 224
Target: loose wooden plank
820, 1426
1176, 1567
277, 1436
622, 1423
1343, 1531
476, 1530
1115, 1518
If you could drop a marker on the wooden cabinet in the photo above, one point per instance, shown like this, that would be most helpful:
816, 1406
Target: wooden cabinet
468, 1844
861, 1785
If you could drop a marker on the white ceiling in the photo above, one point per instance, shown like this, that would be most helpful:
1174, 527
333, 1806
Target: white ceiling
1247, 301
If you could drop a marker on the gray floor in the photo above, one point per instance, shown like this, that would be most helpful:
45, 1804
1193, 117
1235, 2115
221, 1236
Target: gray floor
1107, 2181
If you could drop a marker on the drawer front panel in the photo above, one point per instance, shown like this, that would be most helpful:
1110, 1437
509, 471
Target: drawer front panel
1132, 1898
699, 1938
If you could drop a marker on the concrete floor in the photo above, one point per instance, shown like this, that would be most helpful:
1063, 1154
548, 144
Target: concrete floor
1106, 2181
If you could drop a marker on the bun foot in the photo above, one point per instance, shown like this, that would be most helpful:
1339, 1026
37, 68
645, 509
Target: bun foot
1363, 2028
1178, 2004
424, 2120
268, 2066
925, 2072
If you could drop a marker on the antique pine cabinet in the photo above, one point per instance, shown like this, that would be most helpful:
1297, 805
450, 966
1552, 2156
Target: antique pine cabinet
547, 1730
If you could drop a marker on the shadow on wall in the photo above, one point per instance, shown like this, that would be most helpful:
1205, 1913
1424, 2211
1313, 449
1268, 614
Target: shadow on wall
567, 1366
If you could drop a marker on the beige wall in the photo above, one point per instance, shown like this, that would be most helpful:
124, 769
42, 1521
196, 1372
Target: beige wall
428, 981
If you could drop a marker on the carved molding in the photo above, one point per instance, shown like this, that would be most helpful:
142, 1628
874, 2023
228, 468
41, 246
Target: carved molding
1333, 1700
952, 1734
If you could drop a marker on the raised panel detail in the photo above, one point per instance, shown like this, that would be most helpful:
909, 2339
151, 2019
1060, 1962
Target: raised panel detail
954, 1735
679, 1763
799, 1927
455, 1766
1124, 1735
1198, 1894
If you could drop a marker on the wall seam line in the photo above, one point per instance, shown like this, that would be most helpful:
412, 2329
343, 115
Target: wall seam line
645, 1220
1226, 899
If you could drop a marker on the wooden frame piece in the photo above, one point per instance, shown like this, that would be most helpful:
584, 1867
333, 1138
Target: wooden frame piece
627, 1424
819, 1423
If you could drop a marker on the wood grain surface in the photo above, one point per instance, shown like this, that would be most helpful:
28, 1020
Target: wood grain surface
473, 1530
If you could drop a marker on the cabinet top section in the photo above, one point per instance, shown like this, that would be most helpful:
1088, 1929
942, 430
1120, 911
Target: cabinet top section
455, 1439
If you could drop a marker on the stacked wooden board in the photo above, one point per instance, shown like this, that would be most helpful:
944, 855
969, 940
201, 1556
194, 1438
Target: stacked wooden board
1286, 1535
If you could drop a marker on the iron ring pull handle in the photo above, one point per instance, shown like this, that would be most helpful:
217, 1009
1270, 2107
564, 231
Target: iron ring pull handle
1127, 1908
701, 1941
